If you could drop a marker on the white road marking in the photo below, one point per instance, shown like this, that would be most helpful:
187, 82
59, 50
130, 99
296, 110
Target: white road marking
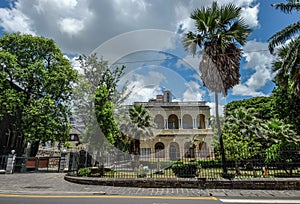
259, 201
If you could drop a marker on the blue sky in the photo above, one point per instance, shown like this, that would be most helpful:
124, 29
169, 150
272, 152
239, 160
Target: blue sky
143, 35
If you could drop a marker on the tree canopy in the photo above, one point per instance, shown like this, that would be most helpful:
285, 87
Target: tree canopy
37, 67
287, 66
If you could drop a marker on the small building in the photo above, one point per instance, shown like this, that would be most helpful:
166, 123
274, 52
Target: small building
182, 129
74, 137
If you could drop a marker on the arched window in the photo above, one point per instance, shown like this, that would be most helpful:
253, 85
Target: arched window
174, 152
173, 122
159, 121
189, 150
187, 122
201, 121
159, 150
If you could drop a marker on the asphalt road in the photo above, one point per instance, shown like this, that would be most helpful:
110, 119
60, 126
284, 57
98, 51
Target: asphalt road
48, 188
38, 199
103, 199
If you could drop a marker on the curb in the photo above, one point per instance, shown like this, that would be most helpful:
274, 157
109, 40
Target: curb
50, 193
251, 184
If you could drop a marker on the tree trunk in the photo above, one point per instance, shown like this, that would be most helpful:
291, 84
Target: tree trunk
136, 147
218, 124
34, 148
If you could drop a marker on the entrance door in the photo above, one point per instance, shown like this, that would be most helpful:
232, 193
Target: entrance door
174, 151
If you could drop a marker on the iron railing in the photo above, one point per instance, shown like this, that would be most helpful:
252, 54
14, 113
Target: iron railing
155, 165
209, 167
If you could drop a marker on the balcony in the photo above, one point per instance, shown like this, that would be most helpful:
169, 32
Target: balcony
182, 131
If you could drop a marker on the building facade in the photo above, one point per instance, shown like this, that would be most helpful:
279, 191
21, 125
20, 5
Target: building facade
181, 129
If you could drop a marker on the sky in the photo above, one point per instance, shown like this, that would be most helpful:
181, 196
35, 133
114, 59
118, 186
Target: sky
145, 36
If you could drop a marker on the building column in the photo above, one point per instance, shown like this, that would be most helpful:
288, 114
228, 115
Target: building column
166, 124
180, 123
206, 123
194, 123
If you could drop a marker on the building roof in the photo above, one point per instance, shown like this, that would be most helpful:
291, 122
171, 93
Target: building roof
75, 131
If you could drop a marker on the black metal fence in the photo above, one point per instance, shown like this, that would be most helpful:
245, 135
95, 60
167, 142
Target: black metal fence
32, 164
67, 161
206, 165
287, 164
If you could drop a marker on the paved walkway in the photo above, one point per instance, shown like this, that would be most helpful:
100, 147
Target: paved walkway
54, 184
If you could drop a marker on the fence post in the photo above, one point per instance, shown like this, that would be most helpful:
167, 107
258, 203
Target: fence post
10, 162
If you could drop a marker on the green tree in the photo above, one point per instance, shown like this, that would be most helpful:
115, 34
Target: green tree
277, 131
288, 66
262, 107
241, 133
97, 79
107, 103
105, 114
247, 116
288, 109
37, 66
220, 30
248, 133
284, 145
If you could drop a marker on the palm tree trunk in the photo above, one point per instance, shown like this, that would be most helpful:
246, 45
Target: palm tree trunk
220, 135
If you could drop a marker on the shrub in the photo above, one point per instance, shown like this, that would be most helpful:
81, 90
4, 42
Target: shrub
84, 172
185, 170
68, 145
207, 164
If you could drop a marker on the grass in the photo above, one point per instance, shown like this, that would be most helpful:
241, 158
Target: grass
211, 173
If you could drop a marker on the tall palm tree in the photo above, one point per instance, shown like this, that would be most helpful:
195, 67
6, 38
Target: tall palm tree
288, 67
290, 55
220, 32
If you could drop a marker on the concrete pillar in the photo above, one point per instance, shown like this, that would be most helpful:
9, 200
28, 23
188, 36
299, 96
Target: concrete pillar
166, 124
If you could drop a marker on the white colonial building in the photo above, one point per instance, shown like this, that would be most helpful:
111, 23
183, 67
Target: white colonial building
182, 129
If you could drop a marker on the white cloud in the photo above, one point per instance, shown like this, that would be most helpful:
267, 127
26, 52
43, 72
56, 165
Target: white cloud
95, 22
130, 10
137, 41
250, 14
14, 20
143, 87
191, 60
71, 26
41, 5
151, 79
75, 63
259, 79
259, 60
141, 93
244, 90
193, 92
212, 106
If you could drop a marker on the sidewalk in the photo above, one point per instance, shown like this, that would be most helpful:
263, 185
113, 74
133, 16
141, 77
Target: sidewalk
54, 184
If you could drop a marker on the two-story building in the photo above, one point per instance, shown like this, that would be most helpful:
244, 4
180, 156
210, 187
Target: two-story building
182, 129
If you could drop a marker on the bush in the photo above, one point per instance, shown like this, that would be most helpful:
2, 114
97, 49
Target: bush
185, 170
208, 164
84, 172
68, 145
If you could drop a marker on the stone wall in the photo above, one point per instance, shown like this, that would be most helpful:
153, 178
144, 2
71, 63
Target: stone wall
257, 184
